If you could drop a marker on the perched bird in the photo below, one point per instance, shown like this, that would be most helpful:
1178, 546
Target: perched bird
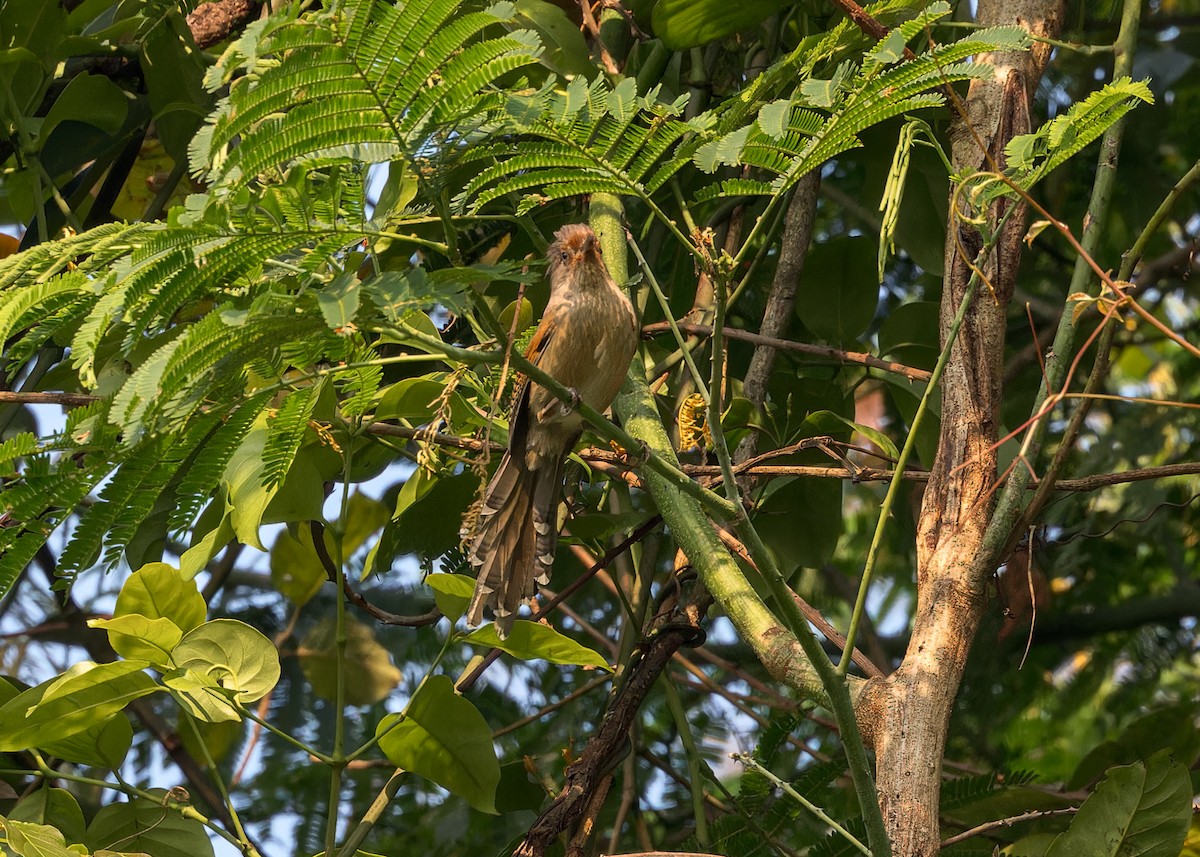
585, 341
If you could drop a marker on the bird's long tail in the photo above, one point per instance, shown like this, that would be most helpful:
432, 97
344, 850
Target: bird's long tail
515, 539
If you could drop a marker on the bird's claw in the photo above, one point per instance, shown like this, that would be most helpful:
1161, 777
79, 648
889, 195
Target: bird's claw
632, 461
573, 404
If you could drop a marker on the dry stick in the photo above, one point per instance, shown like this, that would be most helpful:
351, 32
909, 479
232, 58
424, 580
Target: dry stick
330, 567
1006, 822
838, 354
552, 707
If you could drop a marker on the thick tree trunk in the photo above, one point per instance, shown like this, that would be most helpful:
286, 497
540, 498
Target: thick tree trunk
910, 710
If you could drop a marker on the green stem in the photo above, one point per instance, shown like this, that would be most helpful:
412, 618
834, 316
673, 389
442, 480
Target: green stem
219, 782
749, 762
338, 763
371, 816
186, 810
686, 353
692, 752
279, 733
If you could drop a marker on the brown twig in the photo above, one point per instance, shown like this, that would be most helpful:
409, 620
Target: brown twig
553, 706
72, 400
356, 598
1006, 822
799, 347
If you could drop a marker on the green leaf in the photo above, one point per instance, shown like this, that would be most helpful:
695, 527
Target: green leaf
240, 658
683, 24
801, 521
157, 590
149, 827
532, 641
888, 50
452, 593
339, 301
370, 673
773, 118
201, 695
176, 88
876, 437
35, 840
104, 745
1141, 809
429, 515
89, 98
85, 695
444, 737
52, 806
909, 334
138, 637
565, 50
410, 399
1171, 727
839, 304
296, 570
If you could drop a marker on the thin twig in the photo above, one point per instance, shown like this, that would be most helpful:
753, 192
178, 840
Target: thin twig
1007, 822
799, 347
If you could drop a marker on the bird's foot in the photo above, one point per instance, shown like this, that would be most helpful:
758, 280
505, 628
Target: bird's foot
632, 461
574, 403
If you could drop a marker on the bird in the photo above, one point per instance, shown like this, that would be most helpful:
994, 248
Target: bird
586, 340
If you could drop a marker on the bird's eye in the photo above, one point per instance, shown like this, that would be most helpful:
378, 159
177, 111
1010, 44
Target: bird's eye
564, 255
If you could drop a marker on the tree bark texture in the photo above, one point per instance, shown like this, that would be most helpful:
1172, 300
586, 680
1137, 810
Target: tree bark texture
909, 712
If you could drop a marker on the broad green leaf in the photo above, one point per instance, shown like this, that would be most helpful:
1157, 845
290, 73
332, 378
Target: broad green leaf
247, 495
298, 498
35, 840
92, 99
411, 399
240, 658
876, 437
135, 636
104, 745
683, 24
452, 593
146, 826
565, 50
801, 521
773, 118
444, 737
52, 806
1172, 727
214, 530
838, 297
85, 695
428, 518
175, 83
370, 674
1141, 809
202, 696
157, 590
296, 570
909, 335
533, 641
339, 301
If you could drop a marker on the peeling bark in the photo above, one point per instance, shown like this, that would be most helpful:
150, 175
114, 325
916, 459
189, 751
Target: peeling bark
910, 710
